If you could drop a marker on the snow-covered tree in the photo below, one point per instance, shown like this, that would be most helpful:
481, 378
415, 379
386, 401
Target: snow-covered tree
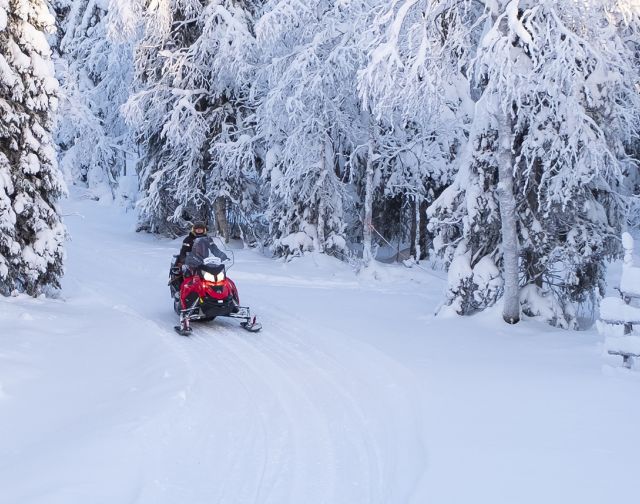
309, 120
536, 200
327, 157
426, 121
193, 65
629, 11
95, 68
31, 234
227, 49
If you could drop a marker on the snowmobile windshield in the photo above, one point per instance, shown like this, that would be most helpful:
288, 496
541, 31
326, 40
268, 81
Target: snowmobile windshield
203, 249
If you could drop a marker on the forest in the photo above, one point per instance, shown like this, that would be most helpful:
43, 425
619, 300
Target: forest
496, 139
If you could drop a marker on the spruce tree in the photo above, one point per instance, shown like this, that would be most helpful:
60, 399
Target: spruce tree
192, 66
31, 233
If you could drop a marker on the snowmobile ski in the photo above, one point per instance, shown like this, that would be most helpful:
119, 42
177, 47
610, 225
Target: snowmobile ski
251, 325
183, 331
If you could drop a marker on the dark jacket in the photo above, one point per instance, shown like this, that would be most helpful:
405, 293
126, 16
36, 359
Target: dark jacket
187, 243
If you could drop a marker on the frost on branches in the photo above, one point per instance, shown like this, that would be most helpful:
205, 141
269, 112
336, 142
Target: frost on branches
420, 95
31, 234
309, 119
556, 111
95, 69
192, 66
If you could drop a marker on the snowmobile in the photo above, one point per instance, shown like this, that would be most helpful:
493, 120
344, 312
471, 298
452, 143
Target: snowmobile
206, 292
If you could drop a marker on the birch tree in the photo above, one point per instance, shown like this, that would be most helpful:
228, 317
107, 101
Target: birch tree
546, 77
309, 120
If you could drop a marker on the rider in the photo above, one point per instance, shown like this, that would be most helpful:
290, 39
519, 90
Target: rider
202, 250
198, 230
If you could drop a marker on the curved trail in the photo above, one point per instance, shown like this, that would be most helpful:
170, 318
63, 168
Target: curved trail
351, 394
299, 412
273, 418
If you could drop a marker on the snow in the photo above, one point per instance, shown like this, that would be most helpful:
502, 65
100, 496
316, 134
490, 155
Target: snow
3, 14
35, 39
30, 163
623, 344
541, 306
297, 242
630, 278
7, 75
43, 69
515, 25
627, 241
459, 269
615, 309
487, 275
609, 330
352, 393
21, 201
19, 59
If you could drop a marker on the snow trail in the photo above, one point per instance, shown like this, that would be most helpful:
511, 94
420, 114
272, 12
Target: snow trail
284, 415
352, 392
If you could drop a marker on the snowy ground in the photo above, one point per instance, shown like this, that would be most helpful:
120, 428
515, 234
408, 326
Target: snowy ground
352, 393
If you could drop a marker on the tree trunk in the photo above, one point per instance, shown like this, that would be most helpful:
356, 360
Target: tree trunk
326, 158
321, 236
418, 251
511, 309
423, 231
367, 231
221, 218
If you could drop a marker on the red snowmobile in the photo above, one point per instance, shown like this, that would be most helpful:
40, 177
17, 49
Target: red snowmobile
205, 290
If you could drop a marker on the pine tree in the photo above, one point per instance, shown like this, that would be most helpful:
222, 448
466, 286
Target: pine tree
31, 233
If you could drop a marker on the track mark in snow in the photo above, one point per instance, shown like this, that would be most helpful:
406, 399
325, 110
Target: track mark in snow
297, 448
300, 422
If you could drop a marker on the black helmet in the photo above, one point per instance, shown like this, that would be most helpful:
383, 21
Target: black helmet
199, 224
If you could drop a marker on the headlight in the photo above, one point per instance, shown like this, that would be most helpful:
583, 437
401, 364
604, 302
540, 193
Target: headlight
210, 277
